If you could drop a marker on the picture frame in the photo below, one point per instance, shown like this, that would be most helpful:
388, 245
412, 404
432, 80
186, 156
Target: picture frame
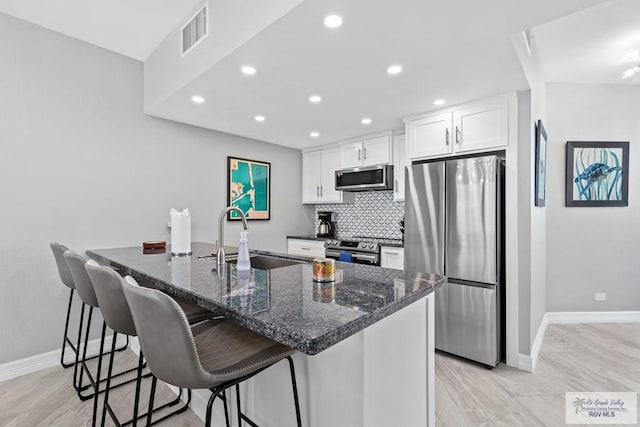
248, 188
540, 165
597, 174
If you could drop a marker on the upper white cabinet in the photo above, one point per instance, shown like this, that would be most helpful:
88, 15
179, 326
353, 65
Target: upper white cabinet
318, 176
475, 127
367, 152
399, 163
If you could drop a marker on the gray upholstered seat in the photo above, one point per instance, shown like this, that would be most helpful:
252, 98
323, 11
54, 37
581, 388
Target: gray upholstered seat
220, 356
66, 278
107, 284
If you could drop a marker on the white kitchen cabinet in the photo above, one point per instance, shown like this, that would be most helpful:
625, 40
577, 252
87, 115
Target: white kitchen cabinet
399, 163
429, 136
318, 177
469, 128
392, 257
303, 247
368, 152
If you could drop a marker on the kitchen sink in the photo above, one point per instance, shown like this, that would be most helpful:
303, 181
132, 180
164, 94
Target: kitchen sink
268, 263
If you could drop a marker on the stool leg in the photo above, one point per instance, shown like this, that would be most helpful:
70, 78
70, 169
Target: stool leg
136, 402
151, 397
105, 404
75, 368
238, 403
295, 391
84, 355
226, 410
97, 387
66, 330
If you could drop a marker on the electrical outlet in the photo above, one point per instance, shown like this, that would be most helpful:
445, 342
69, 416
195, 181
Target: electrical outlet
599, 296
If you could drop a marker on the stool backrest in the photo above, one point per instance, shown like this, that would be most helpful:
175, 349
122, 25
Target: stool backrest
63, 269
165, 337
107, 284
81, 278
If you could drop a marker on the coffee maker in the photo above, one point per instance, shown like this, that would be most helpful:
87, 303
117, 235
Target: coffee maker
327, 227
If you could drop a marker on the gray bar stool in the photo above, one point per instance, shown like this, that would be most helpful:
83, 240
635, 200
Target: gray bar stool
67, 279
87, 294
107, 284
222, 355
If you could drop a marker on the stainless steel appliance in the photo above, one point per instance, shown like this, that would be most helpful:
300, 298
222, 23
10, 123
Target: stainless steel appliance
360, 251
327, 227
454, 226
365, 178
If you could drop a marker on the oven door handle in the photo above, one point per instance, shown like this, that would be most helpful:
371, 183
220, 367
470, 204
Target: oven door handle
367, 257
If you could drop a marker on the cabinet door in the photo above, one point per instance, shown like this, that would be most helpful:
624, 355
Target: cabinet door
330, 163
391, 257
429, 136
399, 163
482, 126
311, 173
352, 155
376, 151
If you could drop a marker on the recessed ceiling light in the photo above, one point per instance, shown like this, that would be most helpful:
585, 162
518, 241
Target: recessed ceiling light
439, 102
259, 119
197, 99
631, 72
366, 121
394, 69
333, 21
315, 99
248, 70
314, 134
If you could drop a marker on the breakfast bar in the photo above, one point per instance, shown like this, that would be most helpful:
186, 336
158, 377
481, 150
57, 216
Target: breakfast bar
354, 367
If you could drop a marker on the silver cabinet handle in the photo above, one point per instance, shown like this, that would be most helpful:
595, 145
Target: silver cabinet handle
446, 136
457, 135
396, 186
365, 153
318, 190
321, 191
359, 151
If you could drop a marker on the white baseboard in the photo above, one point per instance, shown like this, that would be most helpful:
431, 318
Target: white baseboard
528, 363
28, 365
593, 317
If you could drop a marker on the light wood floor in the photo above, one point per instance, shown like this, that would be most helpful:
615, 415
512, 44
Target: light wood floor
598, 357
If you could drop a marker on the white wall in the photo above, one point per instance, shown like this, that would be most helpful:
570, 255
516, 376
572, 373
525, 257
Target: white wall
81, 164
532, 289
592, 249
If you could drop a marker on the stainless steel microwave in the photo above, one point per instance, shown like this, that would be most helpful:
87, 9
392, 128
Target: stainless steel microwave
365, 178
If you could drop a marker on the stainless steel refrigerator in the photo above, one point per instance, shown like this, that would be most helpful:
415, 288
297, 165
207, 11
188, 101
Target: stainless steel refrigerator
454, 226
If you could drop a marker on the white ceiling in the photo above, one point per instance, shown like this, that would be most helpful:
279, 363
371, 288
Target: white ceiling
130, 27
457, 49
595, 45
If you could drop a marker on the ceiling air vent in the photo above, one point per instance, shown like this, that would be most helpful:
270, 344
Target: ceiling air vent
195, 30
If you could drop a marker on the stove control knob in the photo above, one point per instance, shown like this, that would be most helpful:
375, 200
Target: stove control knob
371, 245
335, 242
328, 242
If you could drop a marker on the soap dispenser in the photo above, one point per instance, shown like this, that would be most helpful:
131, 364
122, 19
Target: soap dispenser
243, 252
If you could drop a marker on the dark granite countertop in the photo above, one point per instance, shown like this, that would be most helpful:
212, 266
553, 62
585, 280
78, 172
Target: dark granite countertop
284, 303
397, 243
307, 237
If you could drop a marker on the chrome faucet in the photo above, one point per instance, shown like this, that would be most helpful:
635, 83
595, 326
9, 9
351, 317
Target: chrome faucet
220, 254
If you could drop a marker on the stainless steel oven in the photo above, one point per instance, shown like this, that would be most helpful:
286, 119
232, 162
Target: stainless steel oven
356, 251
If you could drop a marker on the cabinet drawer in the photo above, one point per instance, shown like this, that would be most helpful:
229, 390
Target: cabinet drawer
392, 257
309, 248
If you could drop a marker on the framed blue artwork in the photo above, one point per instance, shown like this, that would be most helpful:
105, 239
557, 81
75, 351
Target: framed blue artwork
541, 164
249, 188
597, 174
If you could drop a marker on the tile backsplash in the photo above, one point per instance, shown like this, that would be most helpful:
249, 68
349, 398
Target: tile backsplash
372, 213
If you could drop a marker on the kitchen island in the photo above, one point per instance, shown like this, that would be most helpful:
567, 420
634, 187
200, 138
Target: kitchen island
365, 342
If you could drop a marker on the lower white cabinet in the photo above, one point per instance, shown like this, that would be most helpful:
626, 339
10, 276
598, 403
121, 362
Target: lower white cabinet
392, 257
303, 247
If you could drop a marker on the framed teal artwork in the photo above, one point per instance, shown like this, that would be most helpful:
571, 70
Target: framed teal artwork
249, 188
597, 174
